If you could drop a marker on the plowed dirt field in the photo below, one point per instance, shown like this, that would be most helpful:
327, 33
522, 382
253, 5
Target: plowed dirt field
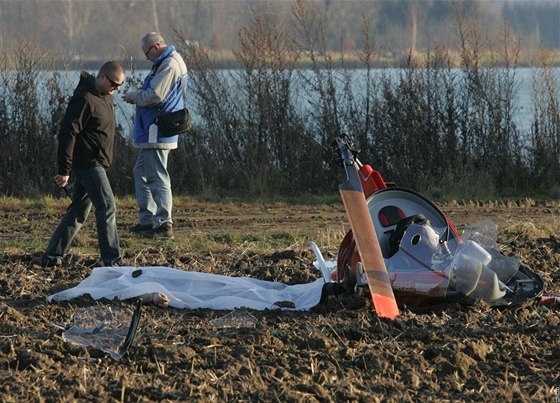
339, 351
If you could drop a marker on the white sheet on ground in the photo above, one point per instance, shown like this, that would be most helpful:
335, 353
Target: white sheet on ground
193, 290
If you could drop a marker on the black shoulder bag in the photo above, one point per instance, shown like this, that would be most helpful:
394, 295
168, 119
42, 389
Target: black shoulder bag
171, 124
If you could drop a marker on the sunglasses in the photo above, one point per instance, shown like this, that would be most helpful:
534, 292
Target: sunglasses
113, 84
148, 51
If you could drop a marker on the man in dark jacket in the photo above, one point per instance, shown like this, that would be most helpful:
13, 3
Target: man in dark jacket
85, 148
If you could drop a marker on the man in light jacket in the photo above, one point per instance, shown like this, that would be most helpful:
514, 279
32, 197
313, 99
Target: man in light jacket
161, 93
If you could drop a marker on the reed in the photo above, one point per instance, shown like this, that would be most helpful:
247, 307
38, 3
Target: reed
265, 129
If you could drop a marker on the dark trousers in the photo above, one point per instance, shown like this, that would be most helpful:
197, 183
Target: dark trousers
91, 187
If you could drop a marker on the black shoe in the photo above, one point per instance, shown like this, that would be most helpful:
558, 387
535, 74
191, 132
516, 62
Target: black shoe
164, 231
118, 262
51, 261
140, 228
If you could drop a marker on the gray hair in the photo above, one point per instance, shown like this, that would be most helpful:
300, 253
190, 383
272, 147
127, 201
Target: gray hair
151, 39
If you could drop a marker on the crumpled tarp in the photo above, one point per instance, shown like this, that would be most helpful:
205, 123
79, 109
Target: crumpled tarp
193, 290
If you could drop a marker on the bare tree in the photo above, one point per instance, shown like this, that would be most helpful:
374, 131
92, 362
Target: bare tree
155, 15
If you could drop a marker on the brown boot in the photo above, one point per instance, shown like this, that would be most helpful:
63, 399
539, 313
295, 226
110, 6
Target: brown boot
163, 231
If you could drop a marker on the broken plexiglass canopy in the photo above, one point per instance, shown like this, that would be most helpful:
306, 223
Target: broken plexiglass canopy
236, 319
109, 329
429, 264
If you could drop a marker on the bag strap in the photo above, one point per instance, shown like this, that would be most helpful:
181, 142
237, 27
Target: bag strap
183, 90
183, 86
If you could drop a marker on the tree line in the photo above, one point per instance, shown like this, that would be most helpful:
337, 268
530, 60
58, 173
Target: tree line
78, 32
266, 129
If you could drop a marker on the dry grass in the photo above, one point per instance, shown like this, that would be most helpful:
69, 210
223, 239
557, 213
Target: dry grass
338, 352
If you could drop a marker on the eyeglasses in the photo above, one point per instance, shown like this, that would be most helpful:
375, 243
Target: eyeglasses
113, 84
149, 50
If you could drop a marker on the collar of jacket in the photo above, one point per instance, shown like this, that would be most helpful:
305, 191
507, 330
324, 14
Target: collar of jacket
168, 50
87, 82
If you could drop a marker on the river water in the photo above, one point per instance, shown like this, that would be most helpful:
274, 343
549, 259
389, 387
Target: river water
523, 105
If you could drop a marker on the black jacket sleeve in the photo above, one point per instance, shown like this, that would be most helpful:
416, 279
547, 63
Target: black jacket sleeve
75, 119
